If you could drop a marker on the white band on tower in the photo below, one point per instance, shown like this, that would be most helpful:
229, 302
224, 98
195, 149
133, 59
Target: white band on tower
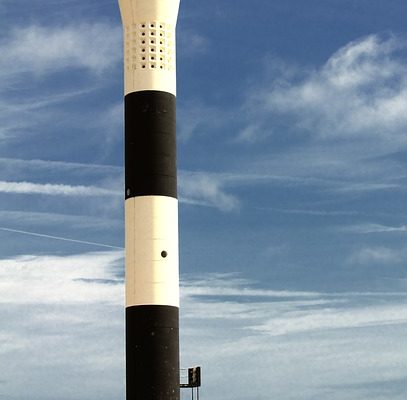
149, 44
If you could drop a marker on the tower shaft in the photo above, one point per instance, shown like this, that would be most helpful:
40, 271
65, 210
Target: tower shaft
151, 205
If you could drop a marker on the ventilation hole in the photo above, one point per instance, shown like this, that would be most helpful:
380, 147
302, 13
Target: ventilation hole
152, 33
152, 49
143, 34
143, 58
152, 41
152, 25
143, 25
152, 66
143, 66
153, 58
143, 42
164, 254
143, 50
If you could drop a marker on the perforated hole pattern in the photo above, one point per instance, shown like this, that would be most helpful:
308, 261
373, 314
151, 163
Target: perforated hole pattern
150, 45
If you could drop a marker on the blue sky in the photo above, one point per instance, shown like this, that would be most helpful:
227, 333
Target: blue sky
292, 148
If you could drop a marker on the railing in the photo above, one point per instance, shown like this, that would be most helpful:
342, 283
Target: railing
191, 378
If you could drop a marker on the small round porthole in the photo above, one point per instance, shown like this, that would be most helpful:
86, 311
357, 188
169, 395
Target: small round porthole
164, 254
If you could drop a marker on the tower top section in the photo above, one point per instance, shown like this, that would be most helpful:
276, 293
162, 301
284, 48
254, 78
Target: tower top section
149, 44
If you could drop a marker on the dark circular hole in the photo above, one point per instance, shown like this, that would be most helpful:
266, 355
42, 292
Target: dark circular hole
164, 254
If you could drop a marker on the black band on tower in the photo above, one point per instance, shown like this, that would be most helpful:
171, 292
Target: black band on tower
150, 144
152, 349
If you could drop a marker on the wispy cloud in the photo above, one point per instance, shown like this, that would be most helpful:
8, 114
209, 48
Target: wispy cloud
231, 285
45, 170
38, 49
301, 332
27, 114
54, 190
199, 119
225, 319
193, 44
283, 312
377, 255
361, 90
375, 228
33, 279
253, 133
73, 318
206, 189
337, 125
24, 218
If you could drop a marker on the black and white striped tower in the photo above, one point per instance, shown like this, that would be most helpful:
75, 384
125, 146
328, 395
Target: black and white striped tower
151, 205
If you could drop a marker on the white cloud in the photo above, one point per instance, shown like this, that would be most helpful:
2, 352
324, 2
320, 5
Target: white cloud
232, 285
301, 321
38, 49
192, 43
375, 228
317, 339
69, 221
111, 125
106, 176
253, 133
377, 255
54, 189
361, 90
366, 187
24, 114
284, 312
37, 164
337, 126
64, 320
31, 53
82, 278
205, 189
197, 118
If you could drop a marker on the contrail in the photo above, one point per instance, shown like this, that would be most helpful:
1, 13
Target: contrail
60, 238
